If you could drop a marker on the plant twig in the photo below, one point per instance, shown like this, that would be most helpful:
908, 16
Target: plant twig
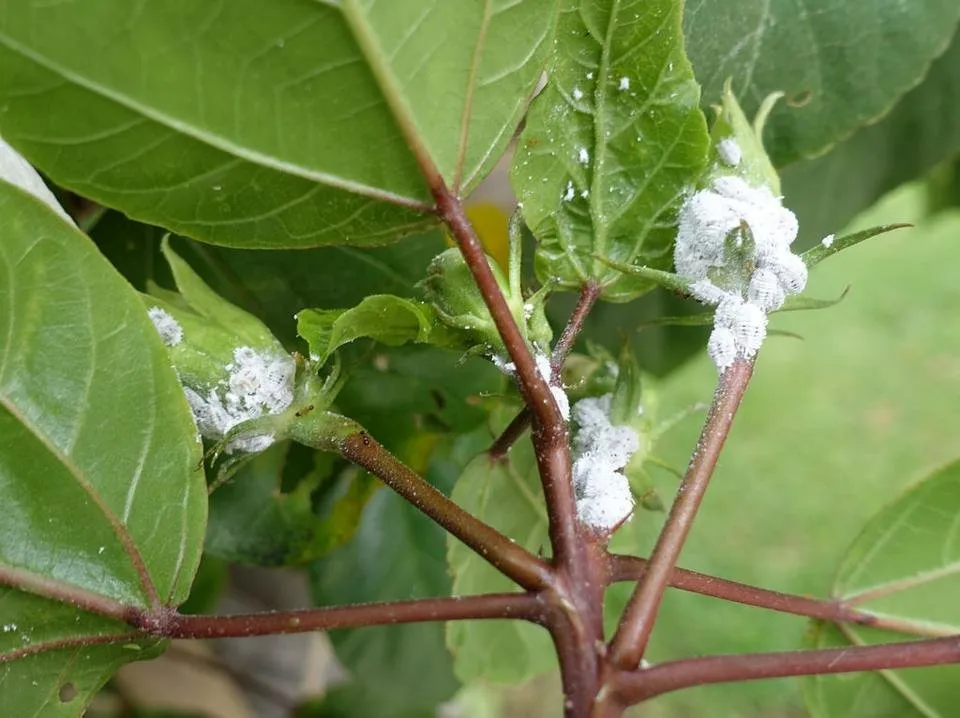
521, 606
631, 639
588, 297
578, 667
589, 293
640, 685
629, 568
550, 432
508, 557
510, 436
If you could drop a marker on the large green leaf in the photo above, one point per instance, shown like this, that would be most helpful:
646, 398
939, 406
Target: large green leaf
842, 64
276, 124
905, 565
922, 131
611, 145
99, 460
830, 429
387, 319
507, 496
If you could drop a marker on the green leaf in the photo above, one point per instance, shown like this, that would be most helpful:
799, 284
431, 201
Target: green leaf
611, 144
283, 124
842, 65
214, 308
42, 677
384, 318
921, 132
396, 554
98, 463
254, 520
904, 566
830, 246
507, 496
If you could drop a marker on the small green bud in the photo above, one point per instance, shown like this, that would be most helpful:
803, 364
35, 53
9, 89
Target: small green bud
450, 288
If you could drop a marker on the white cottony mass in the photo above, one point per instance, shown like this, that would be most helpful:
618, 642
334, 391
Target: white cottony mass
257, 385
601, 450
707, 219
545, 369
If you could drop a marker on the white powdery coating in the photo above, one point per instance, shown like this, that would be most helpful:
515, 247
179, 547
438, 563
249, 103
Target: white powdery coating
604, 499
251, 444
711, 214
610, 507
559, 395
765, 290
730, 151
257, 385
168, 328
828, 240
569, 193
545, 369
790, 270
722, 348
583, 156
750, 329
706, 220
577, 93
707, 292
624, 84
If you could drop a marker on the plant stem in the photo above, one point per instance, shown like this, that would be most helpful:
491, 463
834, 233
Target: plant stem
578, 669
550, 432
506, 556
628, 568
534, 387
639, 685
510, 436
521, 606
631, 639
589, 294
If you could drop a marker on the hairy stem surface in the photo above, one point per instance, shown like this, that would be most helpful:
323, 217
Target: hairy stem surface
631, 639
640, 685
630, 568
505, 555
588, 297
519, 606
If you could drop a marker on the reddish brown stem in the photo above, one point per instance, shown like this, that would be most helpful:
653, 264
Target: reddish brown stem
630, 568
505, 555
589, 294
521, 606
631, 639
550, 434
640, 685
510, 436
588, 297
